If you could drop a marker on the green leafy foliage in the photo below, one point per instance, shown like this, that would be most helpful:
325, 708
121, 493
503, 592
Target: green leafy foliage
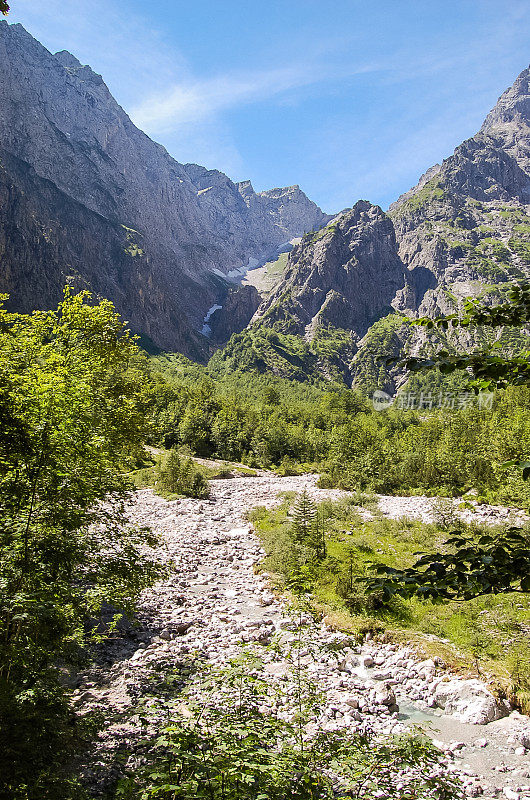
466, 568
489, 631
226, 747
386, 336
269, 422
71, 405
490, 369
255, 419
263, 349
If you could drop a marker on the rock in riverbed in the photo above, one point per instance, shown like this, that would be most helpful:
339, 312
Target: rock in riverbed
470, 701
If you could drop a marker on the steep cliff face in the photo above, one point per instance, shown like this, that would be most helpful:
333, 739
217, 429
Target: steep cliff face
345, 275
195, 227
48, 240
237, 310
251, 225
507, 123
466, 229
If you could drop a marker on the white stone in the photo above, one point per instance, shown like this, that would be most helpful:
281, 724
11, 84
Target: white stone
469, 701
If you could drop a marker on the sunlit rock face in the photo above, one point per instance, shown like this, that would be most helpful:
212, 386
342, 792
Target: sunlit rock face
344, 275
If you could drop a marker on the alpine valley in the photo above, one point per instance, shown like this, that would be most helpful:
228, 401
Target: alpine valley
226, 572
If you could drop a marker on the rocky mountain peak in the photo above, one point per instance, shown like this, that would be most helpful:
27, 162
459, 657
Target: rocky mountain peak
284, 191
513, 105
82, 71
508, 123
245, 188
344, 275
68, 60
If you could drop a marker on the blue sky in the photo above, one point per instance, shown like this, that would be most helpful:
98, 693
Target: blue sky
349, 99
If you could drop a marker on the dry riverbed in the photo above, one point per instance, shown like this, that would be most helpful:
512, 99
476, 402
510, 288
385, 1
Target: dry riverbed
212, 601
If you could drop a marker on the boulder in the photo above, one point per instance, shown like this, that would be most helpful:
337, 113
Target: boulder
385, 696
469, 701
427, 667
181, 628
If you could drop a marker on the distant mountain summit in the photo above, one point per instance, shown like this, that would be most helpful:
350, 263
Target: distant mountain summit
508, 123
85, 196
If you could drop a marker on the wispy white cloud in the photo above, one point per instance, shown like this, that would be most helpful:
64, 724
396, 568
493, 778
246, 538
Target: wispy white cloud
194, 100
136, 62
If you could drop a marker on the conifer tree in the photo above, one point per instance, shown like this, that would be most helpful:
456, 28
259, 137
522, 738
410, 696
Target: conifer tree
304, 515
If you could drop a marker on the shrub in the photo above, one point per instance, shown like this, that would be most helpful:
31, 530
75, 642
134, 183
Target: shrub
181, 476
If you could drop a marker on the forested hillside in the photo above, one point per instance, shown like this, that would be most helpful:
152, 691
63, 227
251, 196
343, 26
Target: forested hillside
437, 439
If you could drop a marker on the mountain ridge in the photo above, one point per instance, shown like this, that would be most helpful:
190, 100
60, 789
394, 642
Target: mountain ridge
174, 241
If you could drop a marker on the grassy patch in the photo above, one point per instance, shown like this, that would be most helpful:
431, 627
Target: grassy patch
133, 249
431, 192
314, 236
488, 636
520, 247
495, 248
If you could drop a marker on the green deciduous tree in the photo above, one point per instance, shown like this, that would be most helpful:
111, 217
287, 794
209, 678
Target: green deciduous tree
71, 407
228, 748
493, 563
491, 368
